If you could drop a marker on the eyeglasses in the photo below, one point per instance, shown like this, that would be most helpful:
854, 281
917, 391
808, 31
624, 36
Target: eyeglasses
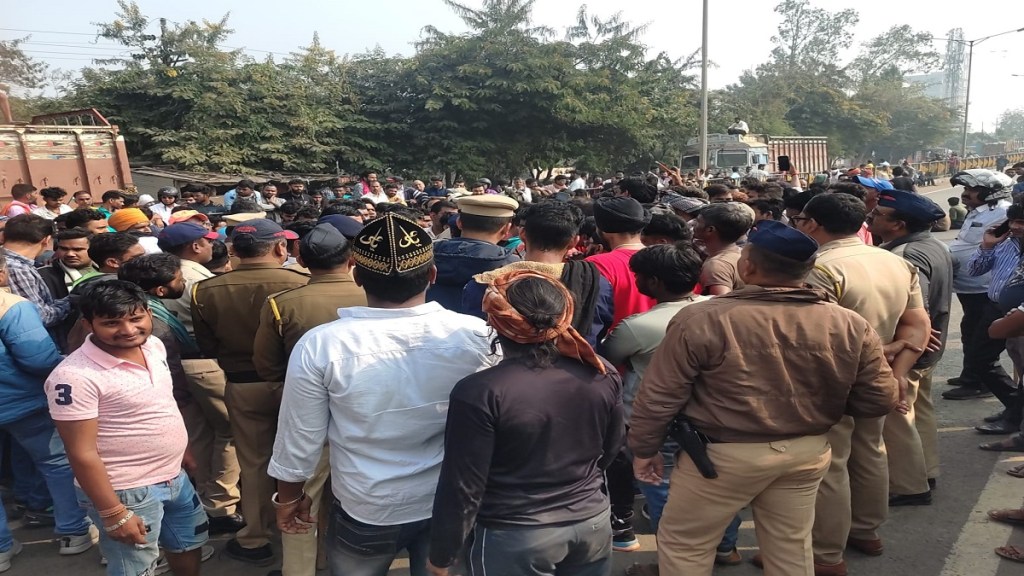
797, 219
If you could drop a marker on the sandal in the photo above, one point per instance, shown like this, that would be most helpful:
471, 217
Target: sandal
1014, 443
1017, 471
1011, 553
1013, 516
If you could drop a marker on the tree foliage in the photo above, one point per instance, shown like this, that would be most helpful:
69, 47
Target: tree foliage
509, 96
17, 68
1010, 124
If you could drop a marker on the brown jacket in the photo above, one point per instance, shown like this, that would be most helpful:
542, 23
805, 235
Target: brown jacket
762, 364
226, 313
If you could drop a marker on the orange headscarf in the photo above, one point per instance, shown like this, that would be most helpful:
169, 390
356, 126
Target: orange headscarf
508, 322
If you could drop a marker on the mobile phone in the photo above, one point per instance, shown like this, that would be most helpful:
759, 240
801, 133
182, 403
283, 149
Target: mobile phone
783, 162
1001, 229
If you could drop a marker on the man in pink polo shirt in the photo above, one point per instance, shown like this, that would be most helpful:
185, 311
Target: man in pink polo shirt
113, 405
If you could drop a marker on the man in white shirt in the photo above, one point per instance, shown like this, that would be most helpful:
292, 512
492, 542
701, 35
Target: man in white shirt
579, 183
376, 193
167, 201
739, 127
53, 203
383, 413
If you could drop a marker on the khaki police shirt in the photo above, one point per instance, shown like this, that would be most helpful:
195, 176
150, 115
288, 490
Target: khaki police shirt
226, 313
872, 282
287, 316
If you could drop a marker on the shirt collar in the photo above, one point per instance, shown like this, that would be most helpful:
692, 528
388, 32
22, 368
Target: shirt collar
107, 361
841, 243
258, 265
344, 277
18, 257
196, 267
383, 313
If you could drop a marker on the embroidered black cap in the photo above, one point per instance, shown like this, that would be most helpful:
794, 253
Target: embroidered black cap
392, 244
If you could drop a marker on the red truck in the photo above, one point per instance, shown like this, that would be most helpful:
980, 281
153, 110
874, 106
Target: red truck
76, 150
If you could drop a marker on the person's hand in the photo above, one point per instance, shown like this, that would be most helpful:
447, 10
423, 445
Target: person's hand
435, 571
132, 532
295, 518
893, 349
188, 462
934, 341
649, 470
902, 406
990, 239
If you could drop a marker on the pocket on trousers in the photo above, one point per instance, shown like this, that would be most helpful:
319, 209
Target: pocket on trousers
363, 539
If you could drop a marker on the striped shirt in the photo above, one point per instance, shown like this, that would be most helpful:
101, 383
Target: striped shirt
1001, 261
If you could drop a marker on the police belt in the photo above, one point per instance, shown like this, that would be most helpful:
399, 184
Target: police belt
243, 377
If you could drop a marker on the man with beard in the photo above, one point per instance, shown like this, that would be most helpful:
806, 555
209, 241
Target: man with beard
71, 261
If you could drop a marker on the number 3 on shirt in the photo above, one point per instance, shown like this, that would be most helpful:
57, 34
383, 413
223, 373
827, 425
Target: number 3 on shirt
63, 394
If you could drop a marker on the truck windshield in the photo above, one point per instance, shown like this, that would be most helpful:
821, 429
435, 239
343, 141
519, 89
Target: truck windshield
730, 159
690, 162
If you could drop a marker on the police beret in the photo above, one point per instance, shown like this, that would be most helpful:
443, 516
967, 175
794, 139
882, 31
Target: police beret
781, 240
913, 205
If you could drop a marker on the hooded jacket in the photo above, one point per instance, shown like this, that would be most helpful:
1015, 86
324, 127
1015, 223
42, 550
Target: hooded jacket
27, 356
762, 365
457, 261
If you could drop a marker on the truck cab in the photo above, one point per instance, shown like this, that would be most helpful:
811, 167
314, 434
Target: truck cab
726, 151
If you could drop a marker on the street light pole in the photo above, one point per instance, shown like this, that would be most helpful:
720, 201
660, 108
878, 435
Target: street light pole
967, 100
704, 93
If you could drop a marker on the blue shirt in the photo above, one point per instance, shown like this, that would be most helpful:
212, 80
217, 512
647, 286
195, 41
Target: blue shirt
1001, 261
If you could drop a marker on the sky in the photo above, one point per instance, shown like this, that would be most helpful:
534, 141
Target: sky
740, 31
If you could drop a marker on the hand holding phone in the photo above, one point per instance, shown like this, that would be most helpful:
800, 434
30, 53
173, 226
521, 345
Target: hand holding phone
995, 234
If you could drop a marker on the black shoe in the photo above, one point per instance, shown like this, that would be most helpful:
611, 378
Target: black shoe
275, 573
262, 556
923, 499
931, 483
995, 417
226, 524
965, 393
959, 381
1000, 427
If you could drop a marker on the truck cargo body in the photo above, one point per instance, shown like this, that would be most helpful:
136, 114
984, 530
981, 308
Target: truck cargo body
72, 157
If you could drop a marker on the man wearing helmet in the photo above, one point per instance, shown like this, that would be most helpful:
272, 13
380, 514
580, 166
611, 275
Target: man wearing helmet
168, 199
986, 195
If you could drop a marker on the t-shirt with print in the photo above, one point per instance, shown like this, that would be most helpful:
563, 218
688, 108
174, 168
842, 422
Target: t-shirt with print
721, 270
140, 434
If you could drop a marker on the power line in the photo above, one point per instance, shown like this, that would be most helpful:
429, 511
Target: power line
49, 32
71, 53
113, 47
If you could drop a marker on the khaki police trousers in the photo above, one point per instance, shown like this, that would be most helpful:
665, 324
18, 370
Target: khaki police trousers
853, 500
209, 437
778, 480
253, 407
911, 440
299, 551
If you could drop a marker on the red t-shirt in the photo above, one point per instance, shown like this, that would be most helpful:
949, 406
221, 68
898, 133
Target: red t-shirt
614, 266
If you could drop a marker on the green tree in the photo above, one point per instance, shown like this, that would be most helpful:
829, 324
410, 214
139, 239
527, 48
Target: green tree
894, 54
17, 68
811, 39
1010, 124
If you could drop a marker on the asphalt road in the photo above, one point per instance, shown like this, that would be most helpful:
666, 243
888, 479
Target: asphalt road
952, 537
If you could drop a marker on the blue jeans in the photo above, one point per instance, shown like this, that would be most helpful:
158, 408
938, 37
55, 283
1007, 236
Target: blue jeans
175, 519
355, 548
657, 496
581, 549
38, 436
29, 484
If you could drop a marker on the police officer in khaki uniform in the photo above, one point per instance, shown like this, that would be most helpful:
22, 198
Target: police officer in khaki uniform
225, 316
853, 500
285, 317
209, 428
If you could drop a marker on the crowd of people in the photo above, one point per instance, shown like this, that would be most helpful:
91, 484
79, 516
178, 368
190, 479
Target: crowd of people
486, 377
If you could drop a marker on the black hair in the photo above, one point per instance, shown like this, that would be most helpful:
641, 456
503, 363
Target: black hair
639, 190
308, 212
395, 288
717, 190
246, 184
669, 226
290, 207
542, 304
552, 225
301, 227
775, 191
150, 270
53, 193
130, 200
1013, 212
408, 212
898, 171
71, 234
340, 208
197, 189
799, 201
244, 206
730, 220
315, 261
112, 195
441, 205
770, 206
676, 265
774, 266
691, 192
80, 217
110, 245
28, 228
953, 201
837, 213
852, 188
220, 255
21, 190
485, 224
112, 299
255, 248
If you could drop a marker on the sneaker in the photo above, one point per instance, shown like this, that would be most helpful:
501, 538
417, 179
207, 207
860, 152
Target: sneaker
162, 567
262, 556
5, 557
76, 544
730, 558
623, 537
37, 518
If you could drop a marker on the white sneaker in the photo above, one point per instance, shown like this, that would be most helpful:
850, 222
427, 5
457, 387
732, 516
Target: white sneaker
162, 567
71, 545
5, 557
